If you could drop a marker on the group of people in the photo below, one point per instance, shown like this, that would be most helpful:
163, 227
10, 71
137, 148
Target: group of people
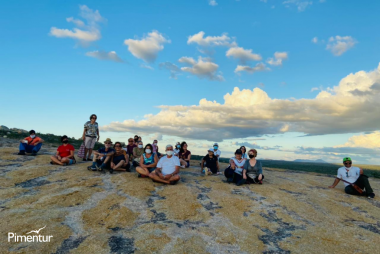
243, 168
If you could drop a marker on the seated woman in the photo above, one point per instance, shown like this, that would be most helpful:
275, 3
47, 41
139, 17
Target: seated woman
243, 150
148, 162
137, 152
120, 159
65, 153
212, 163
177, 149
184, 155
235, 171
253, 171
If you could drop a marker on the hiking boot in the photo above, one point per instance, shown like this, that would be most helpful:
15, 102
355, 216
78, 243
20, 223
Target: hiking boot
34, 154
230, 180
371, 195
21, 153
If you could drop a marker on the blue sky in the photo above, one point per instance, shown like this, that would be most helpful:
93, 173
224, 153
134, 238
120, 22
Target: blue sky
53, 82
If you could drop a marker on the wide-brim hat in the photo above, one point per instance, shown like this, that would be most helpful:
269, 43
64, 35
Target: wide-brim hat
108, 140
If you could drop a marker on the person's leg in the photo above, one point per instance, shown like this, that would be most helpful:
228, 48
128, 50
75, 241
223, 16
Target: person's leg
229, 174
119, 164
351, 190
238, 179
36, 148
174, 179
55, 160
22, 148
259, 181
87, 147
156, 178
363, 183
92, 145
105, 163
142, 171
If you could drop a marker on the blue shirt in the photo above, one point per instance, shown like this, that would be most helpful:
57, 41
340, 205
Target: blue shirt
103, 150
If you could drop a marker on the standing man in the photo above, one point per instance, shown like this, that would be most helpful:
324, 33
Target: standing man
217, 152
31, 144
167, 170
353, 176
90, 136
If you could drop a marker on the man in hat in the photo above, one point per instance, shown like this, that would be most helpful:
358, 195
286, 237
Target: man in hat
353, 175
102, 158
31, 144
212, 163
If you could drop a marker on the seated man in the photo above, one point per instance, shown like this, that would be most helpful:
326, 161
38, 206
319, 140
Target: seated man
65, 153
167, 170
31, 144
102, 157
120, 159
137, 152
212, 163
129, 148
353, 177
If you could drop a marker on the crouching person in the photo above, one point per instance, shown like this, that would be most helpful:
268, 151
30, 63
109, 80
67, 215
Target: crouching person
31, 144
354, 180
102, 158
148, 162
65, 153
120, 159
167, 170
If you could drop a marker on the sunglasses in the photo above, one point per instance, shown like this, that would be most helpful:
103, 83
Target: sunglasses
93, 117
108, 143
117, 146
347, 163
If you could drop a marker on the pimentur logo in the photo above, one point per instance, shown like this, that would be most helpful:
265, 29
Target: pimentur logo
29, 238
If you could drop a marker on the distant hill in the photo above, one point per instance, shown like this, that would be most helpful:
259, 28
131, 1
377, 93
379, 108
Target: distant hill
313, 161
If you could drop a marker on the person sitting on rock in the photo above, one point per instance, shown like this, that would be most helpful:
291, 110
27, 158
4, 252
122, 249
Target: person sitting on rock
102, 158
65, 153
353, 176
137, 152
212, 163
31, 144
129, 148
148, 162
234, 172
177, 149
243, 150
252, 172
184, 155
217, 152
120, 159
167, 170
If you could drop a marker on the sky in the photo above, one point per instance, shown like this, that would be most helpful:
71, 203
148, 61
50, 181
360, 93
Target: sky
294, 79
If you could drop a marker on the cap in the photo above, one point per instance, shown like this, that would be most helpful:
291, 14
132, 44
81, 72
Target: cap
238, 151
216, 144
108, 140
346, 159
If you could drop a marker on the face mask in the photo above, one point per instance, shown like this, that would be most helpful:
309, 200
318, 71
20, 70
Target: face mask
215, 147
32, 136
178, 146
148, 151
155, 144
170, 153
65, 141
251, 156
140, 146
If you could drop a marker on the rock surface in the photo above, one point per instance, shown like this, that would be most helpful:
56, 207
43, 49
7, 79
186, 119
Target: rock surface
90, 212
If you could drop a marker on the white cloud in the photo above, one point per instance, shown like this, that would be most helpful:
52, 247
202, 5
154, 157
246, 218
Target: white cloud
174, 69
244, 55
322, 1
209, 41
340, 44
314, 89
315, 40
212, 2
89, 31
204, 68
350, 107
103, 55
145, 66
257, 68
148, 47
278, 58
300, 4
371, 140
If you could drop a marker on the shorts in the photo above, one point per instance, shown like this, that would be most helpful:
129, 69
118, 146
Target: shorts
89, 142
151, 169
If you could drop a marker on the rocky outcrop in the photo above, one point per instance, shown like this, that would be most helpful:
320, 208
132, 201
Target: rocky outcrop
90, 212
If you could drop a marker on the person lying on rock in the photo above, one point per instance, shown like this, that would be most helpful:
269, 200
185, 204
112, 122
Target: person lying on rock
212, 163
31, 144
234, 171
167, 170
102, 158
253, 171
137, 152
65, 153
120, 159
148, 162
353, 176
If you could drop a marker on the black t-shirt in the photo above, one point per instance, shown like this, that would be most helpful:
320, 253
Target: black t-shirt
211, 162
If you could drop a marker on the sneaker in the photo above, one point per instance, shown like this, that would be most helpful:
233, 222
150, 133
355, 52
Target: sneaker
260, 182
84, 159
21, 153
241, 182
111, 171
371, 195
230, 180
34, 154
183, 166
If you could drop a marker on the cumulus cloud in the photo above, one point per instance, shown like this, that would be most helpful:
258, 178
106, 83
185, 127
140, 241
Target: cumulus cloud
210, 41
103, 55
243, 55
340, 44
203, 68
371, 140
278, 58
148, 47
249, 113
257, 68
174, 69
300, 4
212, 2
84, 33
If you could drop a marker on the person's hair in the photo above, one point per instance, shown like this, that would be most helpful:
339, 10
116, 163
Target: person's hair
237, 151
139, 137
116, 144
92, 116
245, 149
155, 140
64, 137
151, 147
31, 132
167, 146
253, 150
139, 141
182, 144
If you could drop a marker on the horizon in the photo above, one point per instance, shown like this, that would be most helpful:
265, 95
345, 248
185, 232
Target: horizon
293, 79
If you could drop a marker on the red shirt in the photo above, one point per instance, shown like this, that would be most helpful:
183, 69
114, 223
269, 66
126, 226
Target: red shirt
64, 151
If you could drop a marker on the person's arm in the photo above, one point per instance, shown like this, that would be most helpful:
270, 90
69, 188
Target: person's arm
217, 165
126, 156
142, 162
232, 164
244, 173
159, 173
259, 168
41, 141
155, 159
202, 164
97, 131
188, 157
176, 171
71, 153
84, 132
110, 153
361, 171
337, 180
134, 152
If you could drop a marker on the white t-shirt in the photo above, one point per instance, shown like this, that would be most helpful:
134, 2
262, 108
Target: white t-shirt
167, 165
217, 152
350, 176
239, 165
